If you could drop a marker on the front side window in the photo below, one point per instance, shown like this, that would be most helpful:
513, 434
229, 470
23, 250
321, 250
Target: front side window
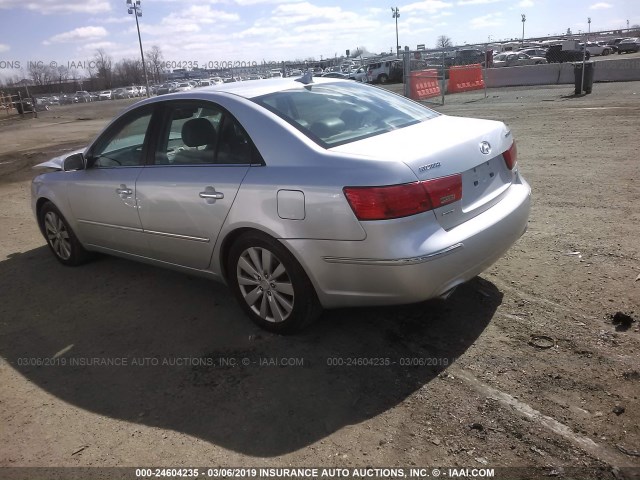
123, 145
339, 113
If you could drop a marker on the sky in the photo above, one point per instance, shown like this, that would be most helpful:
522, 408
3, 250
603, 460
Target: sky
206, 31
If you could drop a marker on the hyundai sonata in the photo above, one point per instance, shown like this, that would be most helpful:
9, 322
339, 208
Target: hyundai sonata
299, 194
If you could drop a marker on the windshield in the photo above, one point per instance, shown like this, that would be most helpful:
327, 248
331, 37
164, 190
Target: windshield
333, 114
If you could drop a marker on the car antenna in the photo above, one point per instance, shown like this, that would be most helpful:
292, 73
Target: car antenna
306, 79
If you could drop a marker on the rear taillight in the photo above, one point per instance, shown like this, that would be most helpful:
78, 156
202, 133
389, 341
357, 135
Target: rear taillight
396, 201
444, 190
511, 156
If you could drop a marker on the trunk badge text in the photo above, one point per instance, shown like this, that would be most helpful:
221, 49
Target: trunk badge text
485, 148
424, 168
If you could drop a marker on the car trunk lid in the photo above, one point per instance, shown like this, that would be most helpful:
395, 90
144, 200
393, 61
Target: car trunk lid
446, 146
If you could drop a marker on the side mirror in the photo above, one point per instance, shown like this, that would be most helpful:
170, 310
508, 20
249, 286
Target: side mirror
73, 163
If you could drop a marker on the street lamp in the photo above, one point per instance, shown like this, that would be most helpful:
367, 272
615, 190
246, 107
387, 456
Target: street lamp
396, 15
134, 8
524, 19
589, 22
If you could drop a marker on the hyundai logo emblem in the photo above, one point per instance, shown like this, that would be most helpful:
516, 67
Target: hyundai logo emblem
485, 148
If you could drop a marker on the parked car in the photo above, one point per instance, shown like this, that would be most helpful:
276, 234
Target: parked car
359, 75
82, 96
341, 75
631, 45
183, 87
166, 88
613, 44
596, 49
533, 52
119, 93
557, 54
384, 71
105, 95
516, 60
468, 56
26, 105
132, 92
329, 215
66, 99
142, 90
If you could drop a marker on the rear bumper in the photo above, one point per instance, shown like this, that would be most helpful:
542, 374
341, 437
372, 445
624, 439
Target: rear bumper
370, 272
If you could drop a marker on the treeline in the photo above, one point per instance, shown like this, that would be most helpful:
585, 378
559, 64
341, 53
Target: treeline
101, 73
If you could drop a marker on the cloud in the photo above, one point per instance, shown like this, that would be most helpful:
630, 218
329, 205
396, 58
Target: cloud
4, 48
47, 7
93, 46
477, 2
427, 6
244, 3
78, 34
123, 19
525, 4
201, 14
486, 21
600, 6
188, 20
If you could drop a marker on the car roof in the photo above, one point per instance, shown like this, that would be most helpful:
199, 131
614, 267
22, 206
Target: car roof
263, 87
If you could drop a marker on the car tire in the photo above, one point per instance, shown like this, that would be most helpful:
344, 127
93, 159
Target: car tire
605, 52
60, 237
284, 303
383, 78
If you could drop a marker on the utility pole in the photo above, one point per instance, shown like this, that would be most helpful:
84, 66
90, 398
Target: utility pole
135, 9
396, 15
524, 19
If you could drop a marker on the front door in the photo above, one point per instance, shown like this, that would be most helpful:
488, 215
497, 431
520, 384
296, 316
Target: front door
103, 196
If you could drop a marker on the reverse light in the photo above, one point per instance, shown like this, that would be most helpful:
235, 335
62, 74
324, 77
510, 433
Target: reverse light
511, 156
397, 201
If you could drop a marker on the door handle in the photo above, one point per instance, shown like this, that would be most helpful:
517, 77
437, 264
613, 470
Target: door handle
212, 194
123, 190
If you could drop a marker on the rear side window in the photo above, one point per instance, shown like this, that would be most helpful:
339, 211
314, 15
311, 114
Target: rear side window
335, 114
202, 133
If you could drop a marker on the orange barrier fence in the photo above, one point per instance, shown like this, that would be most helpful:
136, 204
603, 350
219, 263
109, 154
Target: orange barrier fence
464, 78
424, 84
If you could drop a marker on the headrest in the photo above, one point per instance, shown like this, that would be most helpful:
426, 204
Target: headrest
197, 132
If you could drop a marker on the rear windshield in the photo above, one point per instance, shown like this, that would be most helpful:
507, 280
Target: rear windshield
333, 114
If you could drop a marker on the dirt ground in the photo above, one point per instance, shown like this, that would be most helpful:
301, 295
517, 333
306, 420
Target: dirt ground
484, 392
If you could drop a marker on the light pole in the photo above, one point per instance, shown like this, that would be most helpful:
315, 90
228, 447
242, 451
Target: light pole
135, 9
396, 15
524, 19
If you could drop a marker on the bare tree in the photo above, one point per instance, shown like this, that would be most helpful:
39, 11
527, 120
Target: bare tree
103, 68
444, 42
155, 61
60, 75
40, 73
128, 72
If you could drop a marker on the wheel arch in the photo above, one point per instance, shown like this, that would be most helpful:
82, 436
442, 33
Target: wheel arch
39, 204
231, 237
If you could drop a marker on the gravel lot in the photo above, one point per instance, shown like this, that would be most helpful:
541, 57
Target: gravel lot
485, 390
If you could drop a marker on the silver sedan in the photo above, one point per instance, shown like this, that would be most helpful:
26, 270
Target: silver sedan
299, 194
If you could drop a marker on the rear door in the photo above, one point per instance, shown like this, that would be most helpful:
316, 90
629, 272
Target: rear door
201, 157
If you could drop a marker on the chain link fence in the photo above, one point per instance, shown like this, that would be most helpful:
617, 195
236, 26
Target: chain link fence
470, 74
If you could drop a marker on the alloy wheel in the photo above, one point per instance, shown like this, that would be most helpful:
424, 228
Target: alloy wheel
265, 284
57, 235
